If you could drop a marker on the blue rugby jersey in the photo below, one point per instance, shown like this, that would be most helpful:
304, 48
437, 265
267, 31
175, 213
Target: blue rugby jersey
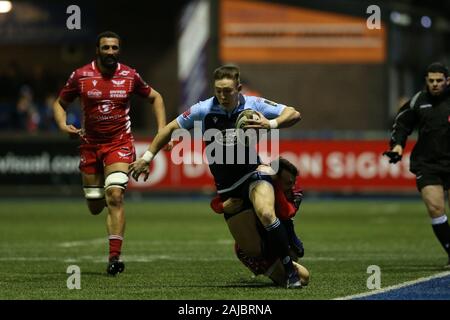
211, 115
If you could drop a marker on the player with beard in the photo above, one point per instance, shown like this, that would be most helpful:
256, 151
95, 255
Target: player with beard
105, 87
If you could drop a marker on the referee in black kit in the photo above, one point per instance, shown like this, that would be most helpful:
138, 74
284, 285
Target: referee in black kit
429, 112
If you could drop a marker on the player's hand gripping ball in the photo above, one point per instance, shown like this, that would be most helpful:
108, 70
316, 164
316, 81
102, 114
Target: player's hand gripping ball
246, 136
245, 115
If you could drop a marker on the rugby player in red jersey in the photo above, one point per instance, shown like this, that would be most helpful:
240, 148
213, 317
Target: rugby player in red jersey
105, 87
251, 245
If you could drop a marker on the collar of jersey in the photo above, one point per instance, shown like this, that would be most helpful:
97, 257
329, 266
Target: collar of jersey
239, 107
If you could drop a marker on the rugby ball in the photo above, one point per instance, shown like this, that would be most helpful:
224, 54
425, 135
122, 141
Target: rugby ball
245, 115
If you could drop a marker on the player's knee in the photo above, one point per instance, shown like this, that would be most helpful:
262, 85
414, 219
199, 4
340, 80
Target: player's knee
115, 185
116, 180
436, 210
266, 216
114, 197
95, 197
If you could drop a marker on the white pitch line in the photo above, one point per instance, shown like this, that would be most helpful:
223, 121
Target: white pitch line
81, 243
138, 258
397, 286
99, 241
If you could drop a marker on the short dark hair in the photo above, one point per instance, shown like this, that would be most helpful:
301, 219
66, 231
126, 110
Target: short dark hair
285, 164
107, 34
438, 67
228, 72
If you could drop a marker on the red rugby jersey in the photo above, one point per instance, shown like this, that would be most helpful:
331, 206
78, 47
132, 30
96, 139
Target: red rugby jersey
105, 100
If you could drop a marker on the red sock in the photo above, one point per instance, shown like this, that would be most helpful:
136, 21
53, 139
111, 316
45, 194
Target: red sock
115, 245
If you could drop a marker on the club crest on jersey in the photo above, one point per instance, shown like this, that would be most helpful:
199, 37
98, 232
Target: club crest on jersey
104, 108
118, 83
94, 93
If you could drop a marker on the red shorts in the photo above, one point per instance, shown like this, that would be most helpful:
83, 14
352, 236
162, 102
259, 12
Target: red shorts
95, 157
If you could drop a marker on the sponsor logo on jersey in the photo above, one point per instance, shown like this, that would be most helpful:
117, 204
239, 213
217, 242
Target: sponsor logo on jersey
104, 108
118, 83
124, 73
118, 93
94, 82
94, 93
88, 74
423, 106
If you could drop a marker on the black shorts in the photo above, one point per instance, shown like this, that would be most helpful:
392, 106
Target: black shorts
242, 191
426, 178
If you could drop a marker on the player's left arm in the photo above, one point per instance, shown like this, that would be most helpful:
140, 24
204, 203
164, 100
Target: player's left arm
274, 115
288, 117
158, 107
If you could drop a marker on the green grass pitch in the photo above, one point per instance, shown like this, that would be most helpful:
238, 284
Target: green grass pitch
181, 250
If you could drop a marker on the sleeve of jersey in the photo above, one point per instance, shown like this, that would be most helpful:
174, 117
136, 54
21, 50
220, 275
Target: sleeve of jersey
403, 126
217, 204
268, 108
297, 194
187, 119
70, 90
140, 86
283, 208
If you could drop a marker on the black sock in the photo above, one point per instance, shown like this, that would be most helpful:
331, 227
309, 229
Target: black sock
441, 229
278, 240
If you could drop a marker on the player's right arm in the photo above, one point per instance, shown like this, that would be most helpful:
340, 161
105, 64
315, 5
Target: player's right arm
184, 121
404, 124
60, 115
141, 166
67, 95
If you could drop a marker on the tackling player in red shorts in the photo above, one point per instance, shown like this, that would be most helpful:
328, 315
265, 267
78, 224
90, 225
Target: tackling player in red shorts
105, 87
251, 245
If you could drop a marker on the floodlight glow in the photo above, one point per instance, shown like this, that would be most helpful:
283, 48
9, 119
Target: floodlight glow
402, 19
426, 22
5, 6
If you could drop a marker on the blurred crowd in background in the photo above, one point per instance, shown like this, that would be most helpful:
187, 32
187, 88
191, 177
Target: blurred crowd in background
27, 98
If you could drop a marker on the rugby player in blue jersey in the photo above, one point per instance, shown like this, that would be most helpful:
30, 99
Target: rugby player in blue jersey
236, 178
